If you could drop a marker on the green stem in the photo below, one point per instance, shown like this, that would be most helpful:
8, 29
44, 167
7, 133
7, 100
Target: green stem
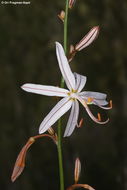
59, 146
65, 26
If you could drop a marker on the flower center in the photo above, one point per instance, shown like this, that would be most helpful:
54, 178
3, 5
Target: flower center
72, 94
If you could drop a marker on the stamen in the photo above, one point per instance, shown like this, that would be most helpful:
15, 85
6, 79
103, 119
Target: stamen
90, 113
97, 120
73, 91
99, 116
110, 103
31, 139
89, 100
103, 107
80, 123
69, 93
73, 99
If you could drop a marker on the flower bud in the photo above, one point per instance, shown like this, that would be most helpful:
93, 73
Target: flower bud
71, 3
72, 53
77, 170
88, 39
51, 131
62, 15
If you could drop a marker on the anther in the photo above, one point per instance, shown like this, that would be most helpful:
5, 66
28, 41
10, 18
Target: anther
99, 116
80, 123
110, 103
73, 91
73, 99
69, 93
31, 139
89, 100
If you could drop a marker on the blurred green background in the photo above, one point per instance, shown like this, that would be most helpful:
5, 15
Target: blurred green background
27, 54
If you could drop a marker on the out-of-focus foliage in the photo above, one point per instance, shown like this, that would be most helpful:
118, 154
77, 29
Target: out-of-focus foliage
27, 54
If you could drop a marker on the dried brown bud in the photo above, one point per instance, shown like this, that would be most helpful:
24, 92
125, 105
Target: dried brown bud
20, 162
77, 170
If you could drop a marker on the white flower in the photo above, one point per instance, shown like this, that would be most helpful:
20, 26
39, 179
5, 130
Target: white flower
75, 84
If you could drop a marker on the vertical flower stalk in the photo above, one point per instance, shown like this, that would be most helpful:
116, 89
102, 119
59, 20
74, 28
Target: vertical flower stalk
59, 146
65, 26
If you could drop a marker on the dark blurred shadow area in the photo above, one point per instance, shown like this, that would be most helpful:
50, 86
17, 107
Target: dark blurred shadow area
27, 54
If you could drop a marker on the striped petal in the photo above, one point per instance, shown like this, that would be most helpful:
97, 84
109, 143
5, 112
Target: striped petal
64, 67
45, 90
96, 95
98, 98
72, 122
88, 39
60, 109
80, 81
100, 102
